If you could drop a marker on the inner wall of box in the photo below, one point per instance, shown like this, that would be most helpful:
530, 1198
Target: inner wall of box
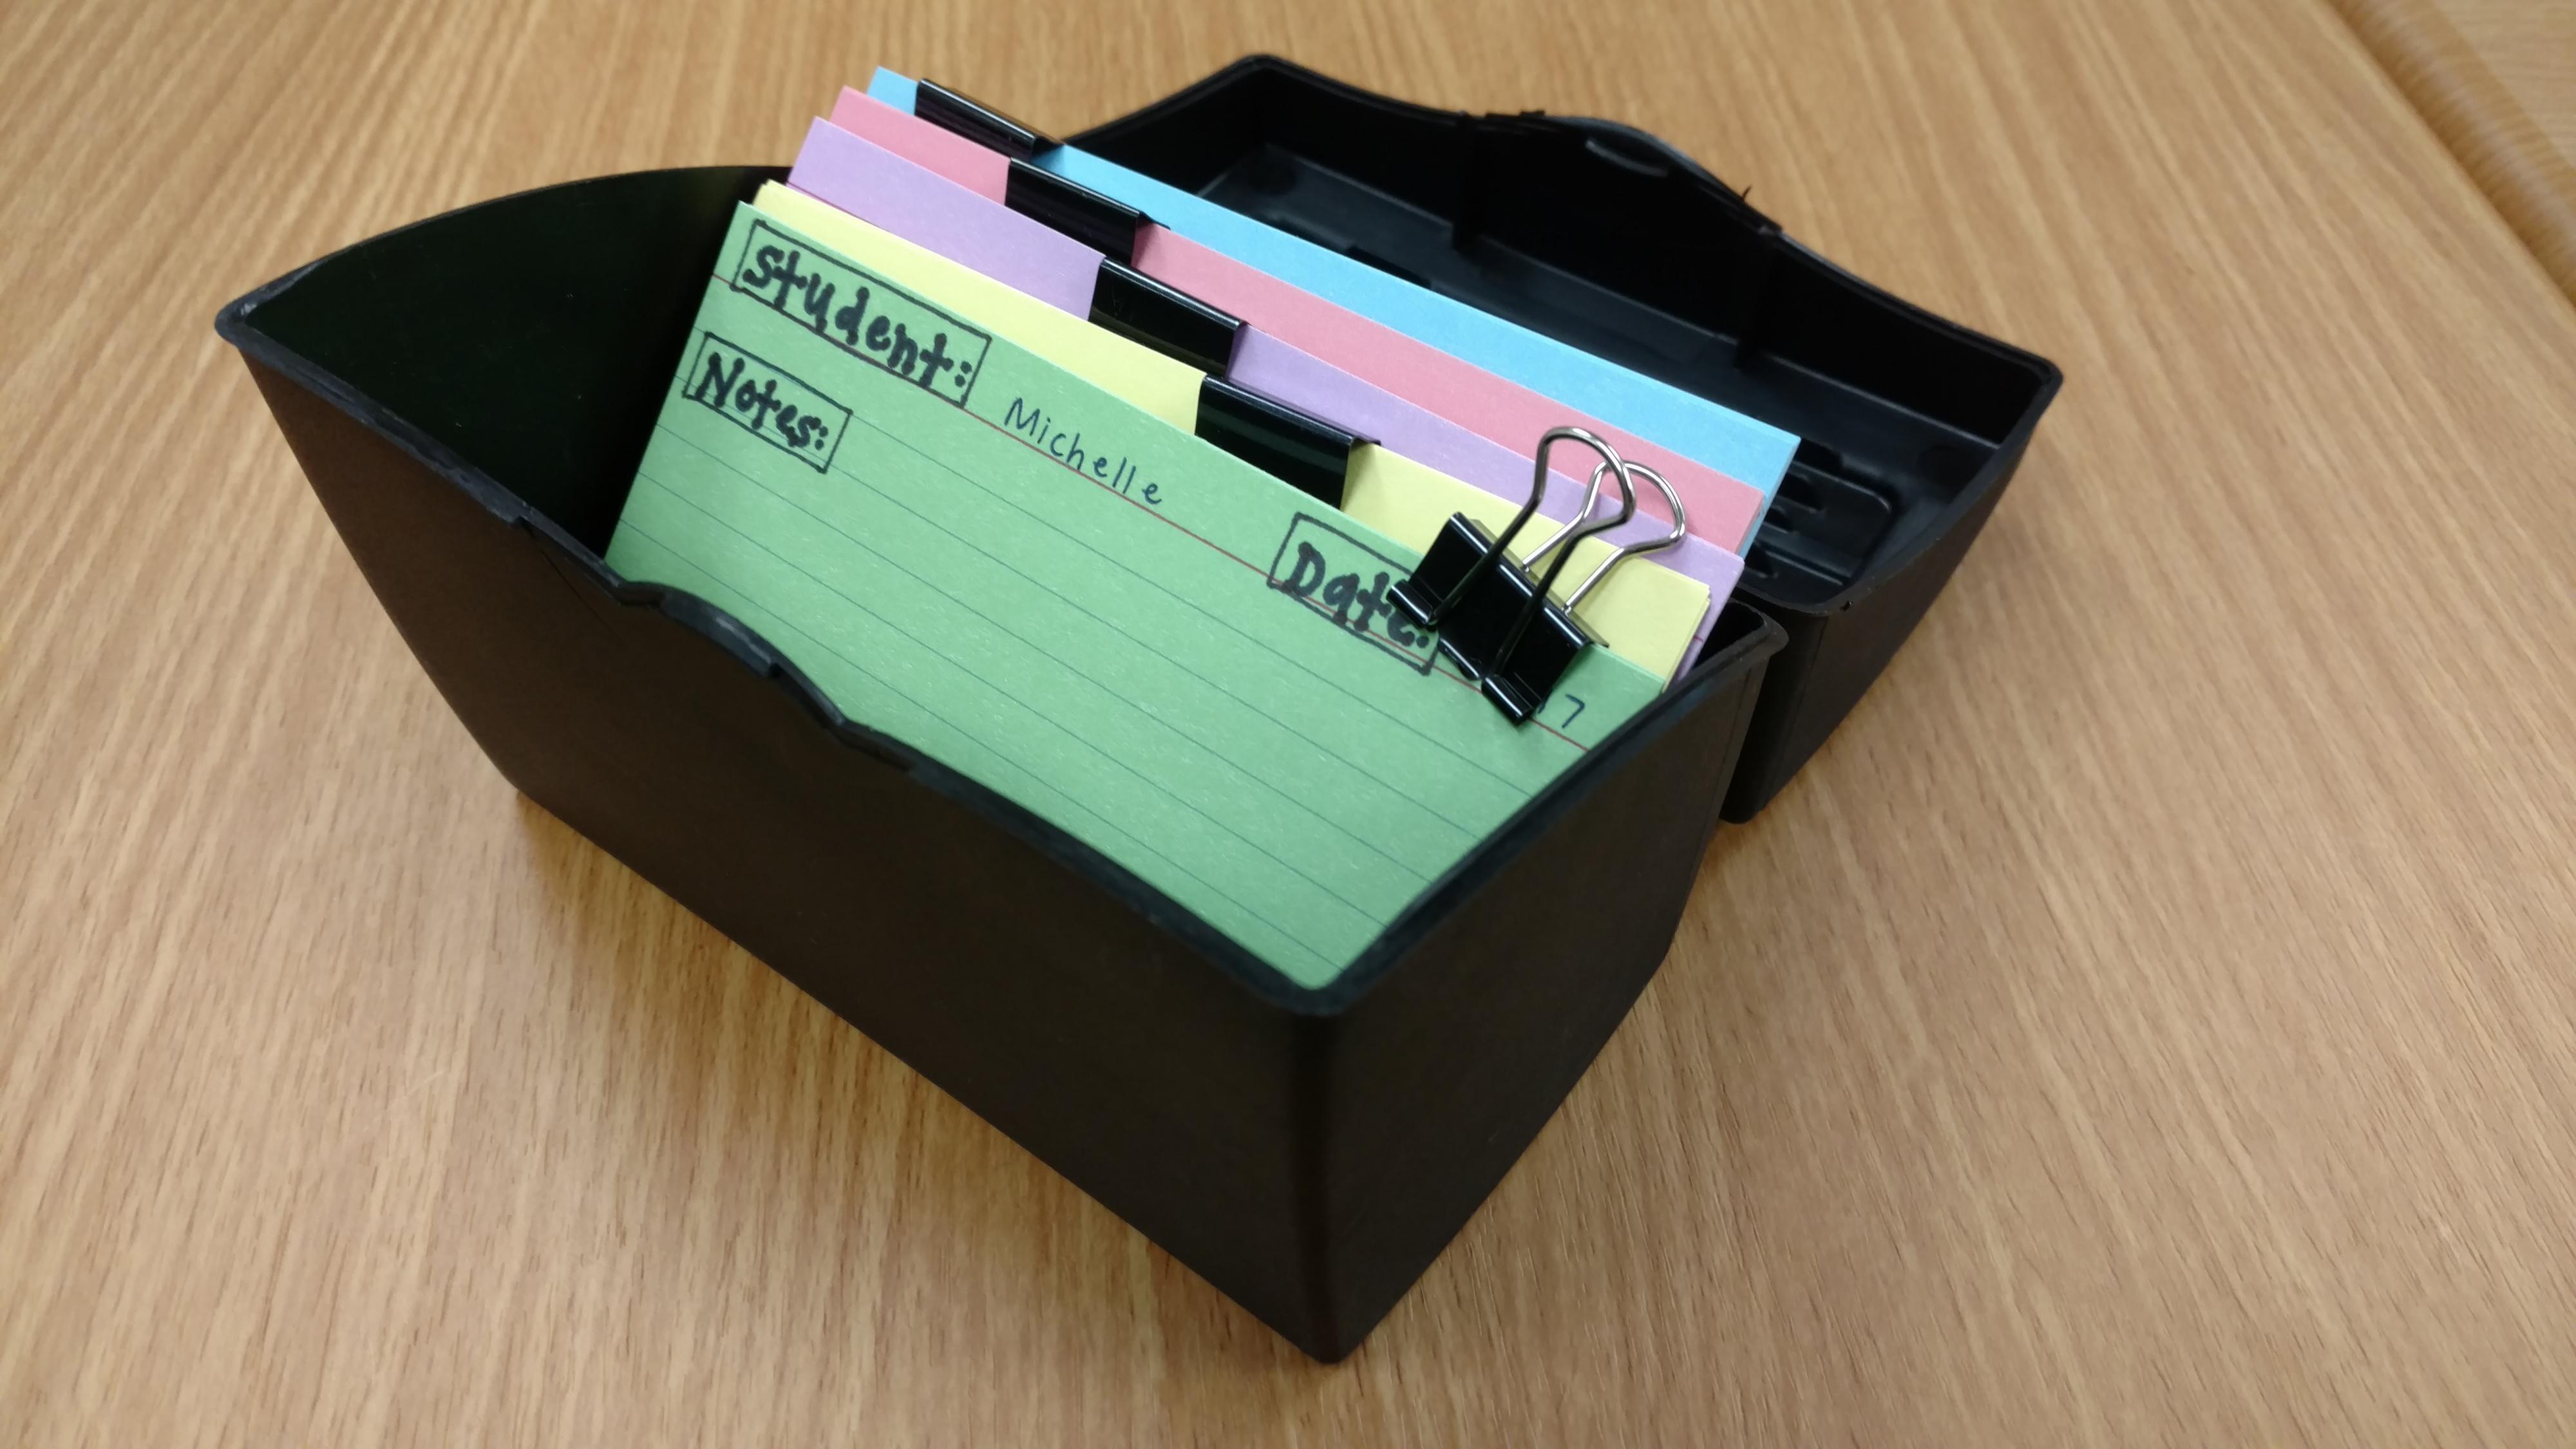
517, 339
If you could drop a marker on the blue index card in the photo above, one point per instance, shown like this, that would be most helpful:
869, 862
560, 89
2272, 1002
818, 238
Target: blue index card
1743, 448
1169, 654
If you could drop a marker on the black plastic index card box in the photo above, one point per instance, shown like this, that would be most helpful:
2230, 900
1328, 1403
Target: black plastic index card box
470, 397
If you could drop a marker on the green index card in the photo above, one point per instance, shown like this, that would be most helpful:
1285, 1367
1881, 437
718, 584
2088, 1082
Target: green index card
1168, 653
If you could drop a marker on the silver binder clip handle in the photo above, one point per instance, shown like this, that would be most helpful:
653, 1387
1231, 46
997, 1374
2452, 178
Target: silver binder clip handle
1566, 536
1680, 529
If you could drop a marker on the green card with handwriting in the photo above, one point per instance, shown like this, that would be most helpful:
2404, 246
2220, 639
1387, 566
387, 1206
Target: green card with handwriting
1171, 655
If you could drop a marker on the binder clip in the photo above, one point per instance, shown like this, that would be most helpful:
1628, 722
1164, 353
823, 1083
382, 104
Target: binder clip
977, 122
1164, 318
1295, 447
1105, 225
1499, 624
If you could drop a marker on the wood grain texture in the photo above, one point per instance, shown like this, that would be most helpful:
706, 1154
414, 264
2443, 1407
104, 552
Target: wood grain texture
2529, 46
2496, 80
2152, 1019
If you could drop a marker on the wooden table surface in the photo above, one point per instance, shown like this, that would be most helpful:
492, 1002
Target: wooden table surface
2151, 1019
2496, 80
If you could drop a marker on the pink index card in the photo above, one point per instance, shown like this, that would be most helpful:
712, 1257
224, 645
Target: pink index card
978, 168
1722, 509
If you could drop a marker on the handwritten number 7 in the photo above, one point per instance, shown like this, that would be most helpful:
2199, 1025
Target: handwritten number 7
1578, 709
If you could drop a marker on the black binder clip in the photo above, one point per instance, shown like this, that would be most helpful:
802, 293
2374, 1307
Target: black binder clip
1298, 448
1496, 622
1102, 223
977, 122
1164, 318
